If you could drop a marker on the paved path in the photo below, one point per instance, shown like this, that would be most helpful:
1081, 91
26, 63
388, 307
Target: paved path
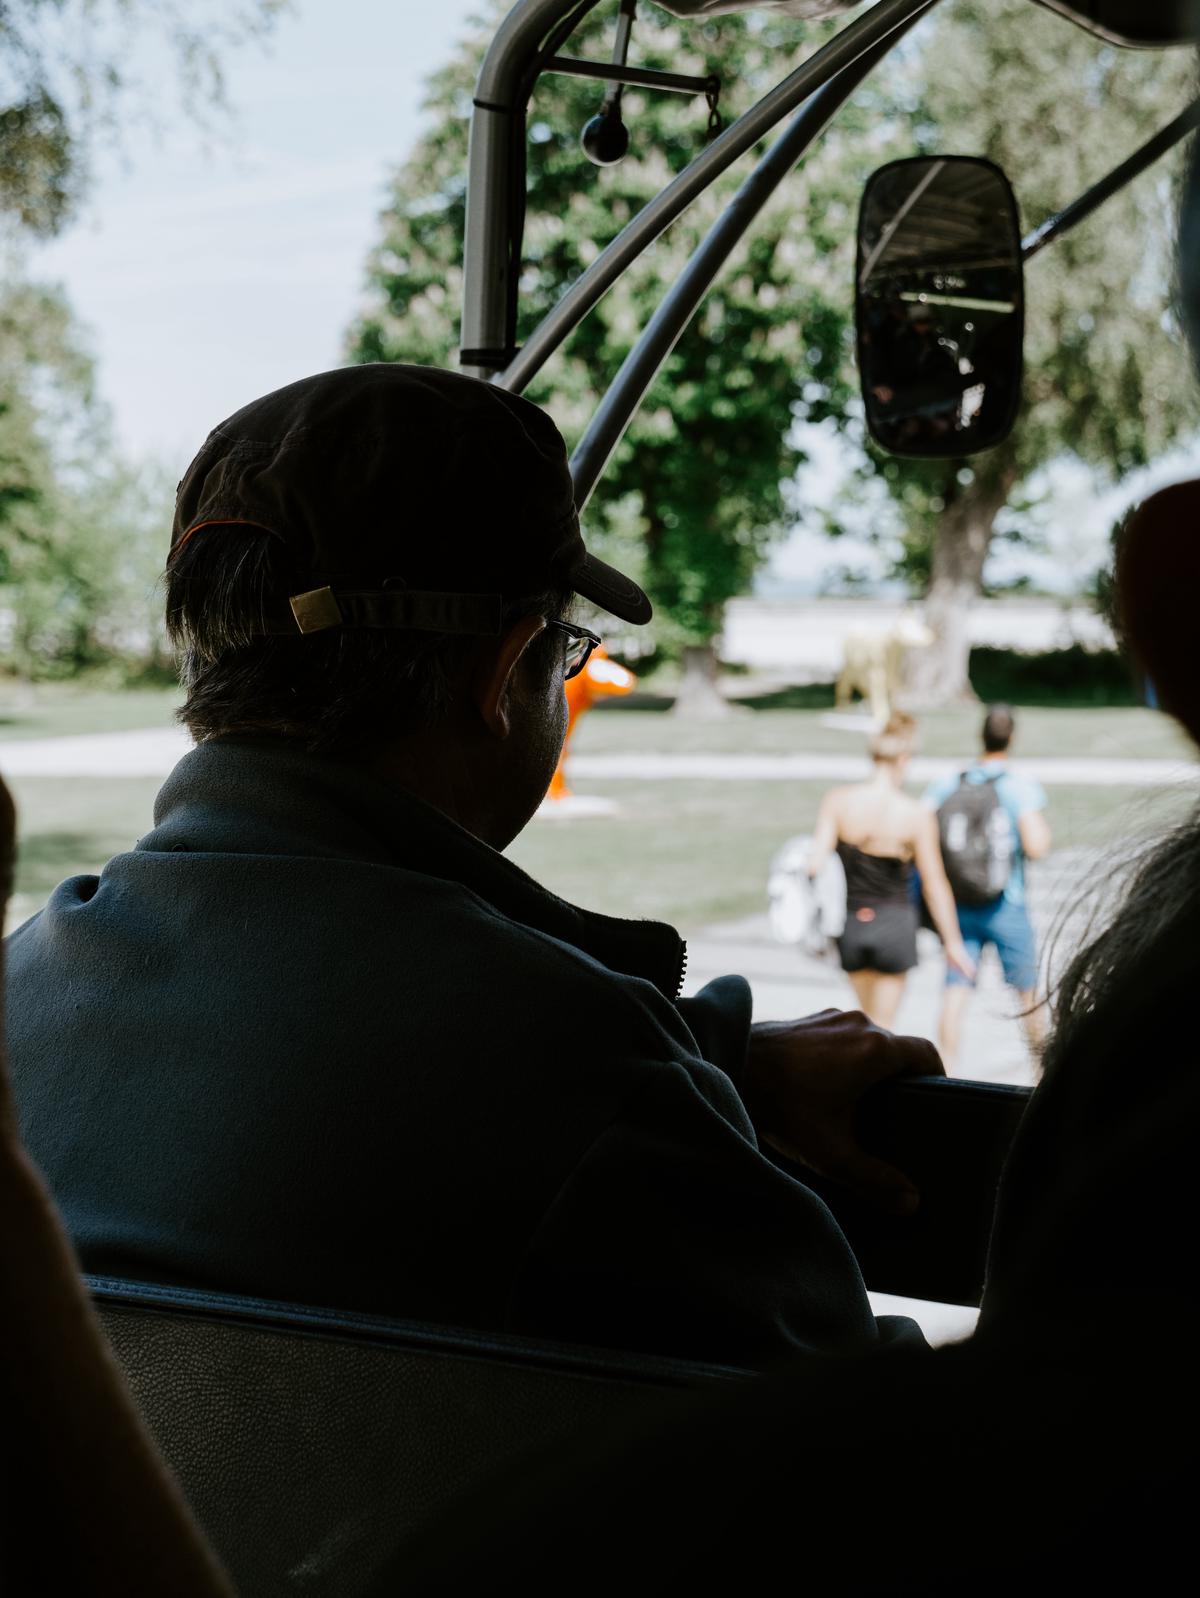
786, 982
149, 753
152, 753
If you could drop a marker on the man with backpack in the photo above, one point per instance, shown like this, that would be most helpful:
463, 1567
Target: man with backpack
991, 820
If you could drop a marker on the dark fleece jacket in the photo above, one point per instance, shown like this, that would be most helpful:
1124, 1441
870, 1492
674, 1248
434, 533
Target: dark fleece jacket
311, 1040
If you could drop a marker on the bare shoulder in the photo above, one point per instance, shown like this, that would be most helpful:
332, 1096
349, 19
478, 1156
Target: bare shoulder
913, 815
834, 799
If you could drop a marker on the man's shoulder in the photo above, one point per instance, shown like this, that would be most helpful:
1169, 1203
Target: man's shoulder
461, 969
24, 939
599, 1007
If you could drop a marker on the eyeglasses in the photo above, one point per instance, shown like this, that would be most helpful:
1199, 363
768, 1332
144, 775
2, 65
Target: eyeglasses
580, 643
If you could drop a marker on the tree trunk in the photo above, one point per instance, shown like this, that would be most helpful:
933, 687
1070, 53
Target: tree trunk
699, 698
939, 675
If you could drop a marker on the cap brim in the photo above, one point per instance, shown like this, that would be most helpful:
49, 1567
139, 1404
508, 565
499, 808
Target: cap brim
611, 590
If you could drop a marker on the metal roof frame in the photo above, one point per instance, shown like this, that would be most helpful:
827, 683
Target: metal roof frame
525, 46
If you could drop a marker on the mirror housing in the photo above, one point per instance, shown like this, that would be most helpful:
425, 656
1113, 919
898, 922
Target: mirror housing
1132, 22
940, 306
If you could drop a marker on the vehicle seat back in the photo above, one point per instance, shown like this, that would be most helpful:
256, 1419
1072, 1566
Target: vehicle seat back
310, 1442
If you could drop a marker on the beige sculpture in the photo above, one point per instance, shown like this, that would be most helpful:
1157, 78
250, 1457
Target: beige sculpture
873, 662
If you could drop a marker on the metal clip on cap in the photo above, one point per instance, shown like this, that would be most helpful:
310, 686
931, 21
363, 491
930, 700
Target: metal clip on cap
316, 610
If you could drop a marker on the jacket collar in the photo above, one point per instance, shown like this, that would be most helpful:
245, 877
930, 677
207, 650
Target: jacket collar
266, 796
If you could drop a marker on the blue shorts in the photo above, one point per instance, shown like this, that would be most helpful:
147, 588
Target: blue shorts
1006, 925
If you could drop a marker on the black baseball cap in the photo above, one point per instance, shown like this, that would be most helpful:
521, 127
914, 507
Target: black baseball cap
406, 496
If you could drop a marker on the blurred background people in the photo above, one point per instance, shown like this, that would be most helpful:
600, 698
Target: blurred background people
880, 833
990, 821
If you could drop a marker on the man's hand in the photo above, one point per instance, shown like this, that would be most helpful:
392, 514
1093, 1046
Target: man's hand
803, 1083
957, 956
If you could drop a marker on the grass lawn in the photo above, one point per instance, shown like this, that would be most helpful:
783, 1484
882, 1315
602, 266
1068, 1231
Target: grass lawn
70, 827
698, 852
55, 711
691, 853
785, 722
1102, 732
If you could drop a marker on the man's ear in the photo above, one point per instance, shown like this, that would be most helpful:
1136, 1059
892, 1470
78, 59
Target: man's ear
490, 684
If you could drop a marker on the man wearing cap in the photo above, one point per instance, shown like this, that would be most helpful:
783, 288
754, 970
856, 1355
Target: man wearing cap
314, 1038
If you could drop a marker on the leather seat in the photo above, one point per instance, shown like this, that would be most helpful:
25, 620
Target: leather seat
309, 1442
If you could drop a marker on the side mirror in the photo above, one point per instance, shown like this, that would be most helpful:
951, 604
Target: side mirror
940, 304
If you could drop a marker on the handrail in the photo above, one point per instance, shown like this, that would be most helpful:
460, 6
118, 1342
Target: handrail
491, 191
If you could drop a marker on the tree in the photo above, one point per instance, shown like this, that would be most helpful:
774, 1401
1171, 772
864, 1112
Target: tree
695, 494
45, 389
698, 490
81, 531
65, 68
79, 528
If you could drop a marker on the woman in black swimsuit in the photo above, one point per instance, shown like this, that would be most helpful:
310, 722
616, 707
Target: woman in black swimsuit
879, 833
881, 918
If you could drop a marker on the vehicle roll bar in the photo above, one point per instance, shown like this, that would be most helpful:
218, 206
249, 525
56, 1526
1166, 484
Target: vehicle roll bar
1079, 209
486, 331
660, 335
525, 46
637, 77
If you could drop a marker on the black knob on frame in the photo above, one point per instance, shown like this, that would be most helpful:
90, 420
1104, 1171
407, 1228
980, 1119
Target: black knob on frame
605, 139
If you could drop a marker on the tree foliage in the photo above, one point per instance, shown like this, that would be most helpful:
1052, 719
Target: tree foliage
80, 531
66, 73
695, 494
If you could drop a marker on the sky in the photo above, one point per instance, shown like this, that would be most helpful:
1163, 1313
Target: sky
206, 273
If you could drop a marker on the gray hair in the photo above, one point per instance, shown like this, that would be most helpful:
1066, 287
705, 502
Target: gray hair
331, 691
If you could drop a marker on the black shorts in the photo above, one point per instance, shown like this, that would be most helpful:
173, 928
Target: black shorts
883, 939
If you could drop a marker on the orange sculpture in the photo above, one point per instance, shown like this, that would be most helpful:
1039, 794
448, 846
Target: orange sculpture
598, 679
